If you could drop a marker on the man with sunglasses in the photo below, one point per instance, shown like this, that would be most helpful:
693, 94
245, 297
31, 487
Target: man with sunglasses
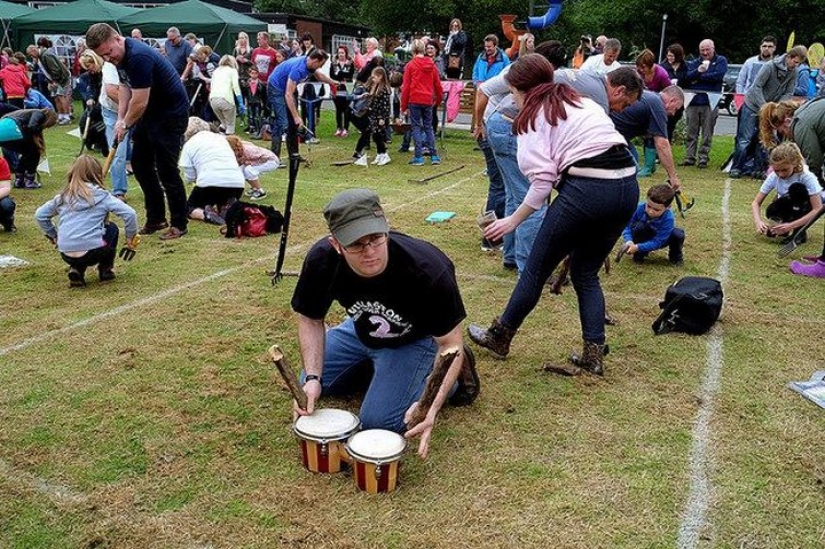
403, 309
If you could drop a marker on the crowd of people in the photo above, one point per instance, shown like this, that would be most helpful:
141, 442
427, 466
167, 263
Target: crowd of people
542, 128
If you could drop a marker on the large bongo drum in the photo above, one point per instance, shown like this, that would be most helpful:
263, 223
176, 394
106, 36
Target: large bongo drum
375, 457
322, 435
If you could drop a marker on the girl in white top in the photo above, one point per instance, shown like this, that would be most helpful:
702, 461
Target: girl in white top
225, 92
208, 160
798, 193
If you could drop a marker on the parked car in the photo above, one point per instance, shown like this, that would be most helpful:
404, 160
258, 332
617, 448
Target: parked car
729, 90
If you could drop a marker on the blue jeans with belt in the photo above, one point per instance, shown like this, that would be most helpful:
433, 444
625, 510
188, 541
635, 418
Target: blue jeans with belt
584, 221
397, 379
120, 184
505, 148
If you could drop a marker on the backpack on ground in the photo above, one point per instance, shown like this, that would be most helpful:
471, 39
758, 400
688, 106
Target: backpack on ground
691, 305
246, 219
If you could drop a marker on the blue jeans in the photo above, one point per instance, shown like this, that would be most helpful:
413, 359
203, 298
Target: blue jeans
496, 195
746, 145
118, 169
421, 124
282, 122
584, 221
505, 147
397, 382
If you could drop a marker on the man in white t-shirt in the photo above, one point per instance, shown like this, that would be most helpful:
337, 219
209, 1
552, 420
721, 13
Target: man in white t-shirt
208, 160
605, 62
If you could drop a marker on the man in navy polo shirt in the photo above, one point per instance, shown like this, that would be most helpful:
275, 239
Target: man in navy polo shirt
647, 118
281, 91
154, 101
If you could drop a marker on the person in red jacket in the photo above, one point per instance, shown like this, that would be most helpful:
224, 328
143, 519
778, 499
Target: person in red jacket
15, 82
420, 91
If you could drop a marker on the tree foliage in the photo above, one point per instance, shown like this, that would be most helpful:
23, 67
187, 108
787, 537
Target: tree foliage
736, 26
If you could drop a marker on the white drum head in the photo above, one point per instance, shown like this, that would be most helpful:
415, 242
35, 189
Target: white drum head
327, 424
376, 445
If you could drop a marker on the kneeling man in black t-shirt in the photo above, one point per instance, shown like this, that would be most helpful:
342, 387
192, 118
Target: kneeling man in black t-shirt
403, 307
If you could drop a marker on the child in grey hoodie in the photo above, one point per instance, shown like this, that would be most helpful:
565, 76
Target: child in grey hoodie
86, 235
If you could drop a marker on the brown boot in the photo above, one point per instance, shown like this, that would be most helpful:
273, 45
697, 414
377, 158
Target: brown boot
496, 338
469, 383
591, 358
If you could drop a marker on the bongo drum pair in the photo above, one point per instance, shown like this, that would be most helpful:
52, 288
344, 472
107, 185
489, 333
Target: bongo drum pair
330, 438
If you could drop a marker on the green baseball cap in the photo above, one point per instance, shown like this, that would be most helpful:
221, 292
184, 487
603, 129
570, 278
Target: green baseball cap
354, 214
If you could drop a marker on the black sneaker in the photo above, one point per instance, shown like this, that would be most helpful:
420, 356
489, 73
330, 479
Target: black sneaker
106, 275
469, 383
76, 279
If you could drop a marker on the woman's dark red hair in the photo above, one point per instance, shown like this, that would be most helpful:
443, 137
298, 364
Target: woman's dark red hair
533, 76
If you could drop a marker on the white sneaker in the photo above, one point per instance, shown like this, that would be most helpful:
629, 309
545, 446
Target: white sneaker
384, 159
362, 161
377, 159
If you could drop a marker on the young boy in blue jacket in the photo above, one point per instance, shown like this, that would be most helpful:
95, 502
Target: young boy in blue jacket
653, 226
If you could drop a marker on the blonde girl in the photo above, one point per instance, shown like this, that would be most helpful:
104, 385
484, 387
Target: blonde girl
254, 161
86, 236
378, 115
798, 194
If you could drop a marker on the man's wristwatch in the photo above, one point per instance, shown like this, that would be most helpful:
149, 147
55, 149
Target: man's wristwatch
312, 377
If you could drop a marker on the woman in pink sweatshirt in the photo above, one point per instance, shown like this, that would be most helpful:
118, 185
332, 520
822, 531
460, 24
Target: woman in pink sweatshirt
566, 142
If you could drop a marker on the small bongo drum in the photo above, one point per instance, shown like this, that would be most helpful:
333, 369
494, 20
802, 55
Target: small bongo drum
322, 436
375, 456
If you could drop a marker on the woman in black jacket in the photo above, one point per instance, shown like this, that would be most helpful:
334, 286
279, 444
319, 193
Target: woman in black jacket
342, 70
22, 132
454, 50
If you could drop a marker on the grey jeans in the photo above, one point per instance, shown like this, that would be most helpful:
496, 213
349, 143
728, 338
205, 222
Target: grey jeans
699, 118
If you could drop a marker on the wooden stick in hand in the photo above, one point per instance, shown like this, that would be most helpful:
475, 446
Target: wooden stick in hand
289, 376
434, 381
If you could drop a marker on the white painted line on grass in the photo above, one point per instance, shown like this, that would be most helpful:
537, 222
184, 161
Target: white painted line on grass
51, 334
695, 520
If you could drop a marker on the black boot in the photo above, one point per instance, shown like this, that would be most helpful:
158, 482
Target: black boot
496, 338
469, 383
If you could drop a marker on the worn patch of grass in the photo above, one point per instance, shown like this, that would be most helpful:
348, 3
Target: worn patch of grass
164, 425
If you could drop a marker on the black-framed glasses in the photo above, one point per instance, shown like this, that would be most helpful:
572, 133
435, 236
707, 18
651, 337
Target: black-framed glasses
372, 241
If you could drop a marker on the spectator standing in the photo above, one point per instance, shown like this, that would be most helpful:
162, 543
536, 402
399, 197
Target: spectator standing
59, 80
373, 51
15, 82
455, 50
342, 70
178, 50
603, 63
704, 74
264, 57
243, 55
490, 62
751, 67
153, 100
420, 92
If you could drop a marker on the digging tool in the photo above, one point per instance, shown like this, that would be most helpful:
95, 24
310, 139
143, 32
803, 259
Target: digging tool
796, 241
108, 162
195, 95
289, 376
341, 163
684, 202
128, 252
294, 162
85, 131
436, 176
622, 251
434, 381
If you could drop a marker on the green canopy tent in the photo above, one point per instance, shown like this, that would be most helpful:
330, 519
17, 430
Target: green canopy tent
9, 11
217, 26
72, 19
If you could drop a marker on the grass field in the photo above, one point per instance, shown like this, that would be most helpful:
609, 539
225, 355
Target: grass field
143, 413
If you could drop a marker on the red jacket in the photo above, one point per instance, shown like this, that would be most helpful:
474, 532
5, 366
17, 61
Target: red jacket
14, 80
421, 86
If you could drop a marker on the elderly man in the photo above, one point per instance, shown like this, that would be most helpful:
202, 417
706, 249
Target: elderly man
605, 62
177, 49
403, 308
648, 118
704, 74
137, 34
153, 100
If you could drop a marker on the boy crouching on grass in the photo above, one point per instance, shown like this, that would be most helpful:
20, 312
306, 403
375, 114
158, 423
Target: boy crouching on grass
86, 237
653, 226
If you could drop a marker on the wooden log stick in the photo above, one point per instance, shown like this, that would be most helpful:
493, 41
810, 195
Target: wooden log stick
434, 382
289, 376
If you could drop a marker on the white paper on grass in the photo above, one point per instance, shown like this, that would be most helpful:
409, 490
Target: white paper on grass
11, 261
43, 167
813, 389
75, 133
